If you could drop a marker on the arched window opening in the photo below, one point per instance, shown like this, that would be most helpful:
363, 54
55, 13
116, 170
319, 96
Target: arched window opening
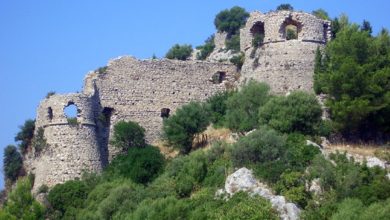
50, 114
165, 112
257, 32
71, 113
291, 29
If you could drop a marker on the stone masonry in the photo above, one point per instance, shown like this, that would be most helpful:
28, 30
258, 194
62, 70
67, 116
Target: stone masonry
147, 91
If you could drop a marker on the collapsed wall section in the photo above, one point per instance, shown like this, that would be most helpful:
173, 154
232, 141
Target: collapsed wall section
150, 90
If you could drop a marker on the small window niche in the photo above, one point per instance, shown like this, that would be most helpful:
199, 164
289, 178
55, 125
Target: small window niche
218, 77
165, 113
50, 114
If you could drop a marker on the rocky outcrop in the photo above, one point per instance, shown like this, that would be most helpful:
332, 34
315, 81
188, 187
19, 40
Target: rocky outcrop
243, 180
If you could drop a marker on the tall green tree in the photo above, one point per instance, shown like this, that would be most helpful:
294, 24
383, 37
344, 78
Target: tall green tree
13, 163
230, 21
25, 135
355, 72
127, 135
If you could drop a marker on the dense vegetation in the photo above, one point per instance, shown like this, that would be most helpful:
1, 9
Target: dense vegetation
354, 70
140, 183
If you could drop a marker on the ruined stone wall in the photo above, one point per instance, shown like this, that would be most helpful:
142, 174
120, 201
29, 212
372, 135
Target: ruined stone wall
138, 90
285, 65
71, 148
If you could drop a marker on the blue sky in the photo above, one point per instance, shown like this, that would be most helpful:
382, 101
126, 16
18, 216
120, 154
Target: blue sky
51, 45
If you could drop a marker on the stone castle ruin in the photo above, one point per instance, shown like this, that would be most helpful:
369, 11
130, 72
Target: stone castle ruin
147, 91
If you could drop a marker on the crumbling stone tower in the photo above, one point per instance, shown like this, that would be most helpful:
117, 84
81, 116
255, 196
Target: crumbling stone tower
285, 62
72, 148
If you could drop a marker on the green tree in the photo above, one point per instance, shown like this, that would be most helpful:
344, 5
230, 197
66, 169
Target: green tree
230, 21
206, 49
285, 7
297, 112
127, 135
181, 128
21, 204
243, 106
366, 26
25, 135
68, 196
179, 52
233, 43
356, 75
13, 163
321, 13
141, 165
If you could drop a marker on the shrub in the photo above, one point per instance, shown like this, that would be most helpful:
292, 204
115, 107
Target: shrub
72, 121
233, 43
257, 40
102, 70
127, 135
25, 135
43, 189
238, 60
160, 209
179, 52
180, 129
69, 195
242, 107
206, 49
216, 106
141, 165
51, 93
298, 112
39, 141
292, 185
321, 13
258, 147
230, 21
21, 204
291, 34
13, 163
286, 7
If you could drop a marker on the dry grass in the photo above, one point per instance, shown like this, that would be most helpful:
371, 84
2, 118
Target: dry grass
380, 151
168, 152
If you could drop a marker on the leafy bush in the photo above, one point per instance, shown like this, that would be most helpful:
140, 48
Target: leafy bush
141, 165
257, 40
25, 135
238, 60
13, 163
161, 209
233, 43
216, 106
69, 195
206, 49
298, 112
243, 106
291, 34
179, 52
127, 135
285, 7
43, 189
259, 146
72, 121
321, 13
39, 141
180, 129
21, 204
230, 21
292, 185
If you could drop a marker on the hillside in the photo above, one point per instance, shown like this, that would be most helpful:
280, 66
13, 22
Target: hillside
257, 123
